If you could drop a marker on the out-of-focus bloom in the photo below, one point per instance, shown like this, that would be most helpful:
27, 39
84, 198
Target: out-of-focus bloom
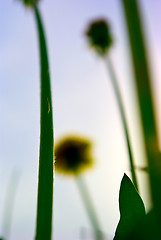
73, 155
30, 3
99, 36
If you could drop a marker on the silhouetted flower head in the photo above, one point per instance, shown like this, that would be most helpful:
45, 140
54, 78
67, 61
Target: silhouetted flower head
73, 155
30, 3
99, 36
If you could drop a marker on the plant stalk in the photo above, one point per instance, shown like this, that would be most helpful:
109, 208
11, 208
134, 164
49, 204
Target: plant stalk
9, 204
45, 178
123, 117
143, 85
89, 207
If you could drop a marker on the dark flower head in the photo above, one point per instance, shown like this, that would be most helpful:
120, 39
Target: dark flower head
73, 155
99, 36
30, 3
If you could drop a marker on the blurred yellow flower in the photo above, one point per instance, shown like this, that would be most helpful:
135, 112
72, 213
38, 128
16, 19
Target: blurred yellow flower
73, 155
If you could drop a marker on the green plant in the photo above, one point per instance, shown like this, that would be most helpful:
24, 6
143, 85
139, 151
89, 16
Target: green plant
73, 156
45, 185
9, 203
73, 153
30, 3
100, 40
132, 209
45, 178
143, 84
134, 222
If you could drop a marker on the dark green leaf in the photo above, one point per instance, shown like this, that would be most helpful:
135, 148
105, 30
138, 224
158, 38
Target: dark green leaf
45, 181
146, 229
143, 82
131, 206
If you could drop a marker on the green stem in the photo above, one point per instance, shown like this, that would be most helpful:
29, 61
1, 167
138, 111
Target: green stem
143, 84
45, 179
89, 207
123, 117
9, 204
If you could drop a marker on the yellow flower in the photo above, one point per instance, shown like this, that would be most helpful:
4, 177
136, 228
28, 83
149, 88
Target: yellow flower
99, 36
73, 155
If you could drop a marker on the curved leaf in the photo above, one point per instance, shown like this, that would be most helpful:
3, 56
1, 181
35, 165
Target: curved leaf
45, 179
145, 94
131, 206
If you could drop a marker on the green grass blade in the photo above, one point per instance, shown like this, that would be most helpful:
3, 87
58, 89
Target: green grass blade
142, 79
8, 210
45, 181
123, 118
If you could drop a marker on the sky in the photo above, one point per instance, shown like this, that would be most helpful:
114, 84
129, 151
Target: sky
83, 104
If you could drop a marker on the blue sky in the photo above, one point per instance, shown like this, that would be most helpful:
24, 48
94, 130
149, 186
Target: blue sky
84, 104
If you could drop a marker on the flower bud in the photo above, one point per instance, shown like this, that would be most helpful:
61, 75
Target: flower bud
99, 36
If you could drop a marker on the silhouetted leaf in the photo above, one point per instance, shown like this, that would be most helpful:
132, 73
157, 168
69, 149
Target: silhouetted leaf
46, 155
143, 82
45, 180
145, 229
132, 209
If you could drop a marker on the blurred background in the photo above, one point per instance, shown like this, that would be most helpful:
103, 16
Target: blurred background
83, 102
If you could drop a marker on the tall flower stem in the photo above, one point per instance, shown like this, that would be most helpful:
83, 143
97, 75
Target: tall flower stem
122, 114
9, 204
45, 179
89, 206
143, 85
